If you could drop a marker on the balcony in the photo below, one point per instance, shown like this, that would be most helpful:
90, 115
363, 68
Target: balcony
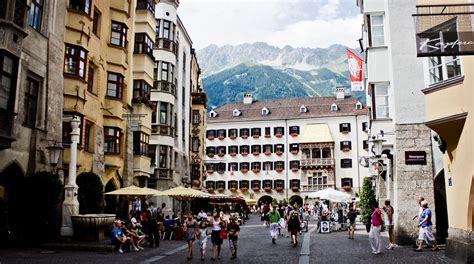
165, 87
317, 162
163, 130
163, 174
166, 44
199, 98
6, 119
314, 188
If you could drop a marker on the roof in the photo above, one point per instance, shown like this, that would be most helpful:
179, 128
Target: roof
287, 108
316, 133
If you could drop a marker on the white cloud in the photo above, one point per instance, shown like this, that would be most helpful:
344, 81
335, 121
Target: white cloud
299, 23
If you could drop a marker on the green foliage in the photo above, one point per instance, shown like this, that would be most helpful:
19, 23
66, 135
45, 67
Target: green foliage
90, 193
284, 202
274, 201
367, 197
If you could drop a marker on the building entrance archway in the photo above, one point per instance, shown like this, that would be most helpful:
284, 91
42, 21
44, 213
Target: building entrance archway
111, 201
296, 199
441, 207
265, 199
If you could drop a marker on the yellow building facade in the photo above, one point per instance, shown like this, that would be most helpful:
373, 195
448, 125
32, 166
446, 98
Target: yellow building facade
449, 96
97, 86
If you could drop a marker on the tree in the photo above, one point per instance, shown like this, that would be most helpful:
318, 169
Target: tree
90, 193
367, 197
274, 202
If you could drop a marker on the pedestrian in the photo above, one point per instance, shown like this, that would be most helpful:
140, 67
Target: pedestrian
233, 229
294, 224
190, 225
266, 210
420, 208
425, 225
216, 223
374, 235
351, 216
389, 224
151, 215
202, 235
274, 217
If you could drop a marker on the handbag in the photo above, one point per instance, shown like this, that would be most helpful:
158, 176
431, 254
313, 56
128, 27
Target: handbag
223, 234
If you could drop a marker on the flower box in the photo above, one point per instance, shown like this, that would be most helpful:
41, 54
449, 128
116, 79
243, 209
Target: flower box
294, 134
295, 169
245, 136
256, 136
279, 170
295, 189
256, 170
221, 154
232, 154
232, 137
211, 190
233, 189
278, 135
279, 153
210, 155
210, 171
268, 153
244, 189
221, 137
210, 138
244, 153
256, 153
294, 152
244, 170
347, 188
267, 189
220, 189
256, 189
220, 171
279, 189
267, 136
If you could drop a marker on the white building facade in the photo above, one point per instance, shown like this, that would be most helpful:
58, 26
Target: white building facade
285, 148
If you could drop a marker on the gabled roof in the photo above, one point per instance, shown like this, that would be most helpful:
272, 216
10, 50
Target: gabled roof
288, 108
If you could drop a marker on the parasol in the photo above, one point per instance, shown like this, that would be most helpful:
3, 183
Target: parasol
331, 194
183, 193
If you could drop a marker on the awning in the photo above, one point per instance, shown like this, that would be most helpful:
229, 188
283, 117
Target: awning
316, 133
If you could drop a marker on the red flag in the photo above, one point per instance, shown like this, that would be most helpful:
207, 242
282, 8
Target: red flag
355, 70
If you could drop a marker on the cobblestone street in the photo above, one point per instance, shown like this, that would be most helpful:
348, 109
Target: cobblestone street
254, 247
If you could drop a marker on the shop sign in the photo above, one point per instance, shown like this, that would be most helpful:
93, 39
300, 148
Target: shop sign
415, 157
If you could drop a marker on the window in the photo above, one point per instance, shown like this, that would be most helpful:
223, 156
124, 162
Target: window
88, 133
221, 133
66, 133
166, 29
196, 118
294, 148
295, 165
279, 184
183, 130
143, 45
19, 13
444, 68
210, 151
236, 112
232, 133
279, 148
244, 166
256, 132
96, 22
255, 184
75, 59
244, 149
256, 149
220, 167
294, 130
295, 184
303, 109
244, 184
318, 180
152, 155
346, 145
376, 31
345, 127
210, 134
346, 182
31, 101
279, 165
267, 149
233, 185
267, 165
327, 153
195, 172
220, 185
267, 184
358, 106
141, 89
157, 30
278, 131
184, 61
316, 153
8, 77
256, 166
346, 163
265, 111
195, 144
114, 84
221, 150
244, 132
233, 166
163, 113
140, 143
365, 126
118, 36
306, 153
112, 136
365, 145
165, 72
90, 78
334, 107
81, 6
267, 132
233, 150
147, 5
163, 157
380, 105
36, 12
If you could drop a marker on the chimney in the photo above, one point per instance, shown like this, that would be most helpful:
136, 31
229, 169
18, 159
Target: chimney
340, 93
248, 98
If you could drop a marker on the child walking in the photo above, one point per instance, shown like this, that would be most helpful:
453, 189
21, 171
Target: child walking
233, 229
202, 236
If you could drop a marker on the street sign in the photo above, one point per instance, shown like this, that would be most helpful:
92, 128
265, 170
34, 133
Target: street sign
415, 157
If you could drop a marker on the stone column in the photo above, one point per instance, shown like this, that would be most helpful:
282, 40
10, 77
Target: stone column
71, 204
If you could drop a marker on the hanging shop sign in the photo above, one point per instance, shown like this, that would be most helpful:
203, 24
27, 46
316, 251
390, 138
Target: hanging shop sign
415, 157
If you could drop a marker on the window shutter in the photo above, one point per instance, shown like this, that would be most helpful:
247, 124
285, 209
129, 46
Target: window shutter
348, 127
350, 145
342, 145
340, 127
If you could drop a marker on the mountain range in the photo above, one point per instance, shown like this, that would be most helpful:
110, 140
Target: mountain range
270, 72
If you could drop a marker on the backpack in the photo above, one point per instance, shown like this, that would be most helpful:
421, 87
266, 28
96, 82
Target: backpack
293, 218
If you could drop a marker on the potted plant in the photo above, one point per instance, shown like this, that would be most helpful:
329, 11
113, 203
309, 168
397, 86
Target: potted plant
267, 188
244, 153
221, 137
221, 154
367, 197
232, 136
294, 151
210, 137
210, 189
220, 189
232, 154
267, 135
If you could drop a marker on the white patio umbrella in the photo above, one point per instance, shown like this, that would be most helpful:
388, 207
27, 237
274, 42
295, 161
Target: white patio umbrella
331, 194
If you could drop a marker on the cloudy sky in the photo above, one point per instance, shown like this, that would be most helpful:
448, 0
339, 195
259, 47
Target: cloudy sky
298, 23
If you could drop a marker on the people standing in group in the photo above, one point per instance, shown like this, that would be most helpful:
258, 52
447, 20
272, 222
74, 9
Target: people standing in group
202, 215
190, 225
273, 218
294, 224
375, 228
233, 229
217, 223
425, 225
351, 216
389, 224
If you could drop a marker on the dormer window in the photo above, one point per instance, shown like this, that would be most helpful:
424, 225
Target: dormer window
334, 107
212, 113
236, 112
358, 105
265, 111
303, 109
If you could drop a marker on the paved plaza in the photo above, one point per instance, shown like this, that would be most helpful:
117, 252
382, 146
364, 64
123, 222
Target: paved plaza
254, 247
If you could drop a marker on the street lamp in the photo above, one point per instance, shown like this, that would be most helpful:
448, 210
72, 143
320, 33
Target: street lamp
377, 146
54, 153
